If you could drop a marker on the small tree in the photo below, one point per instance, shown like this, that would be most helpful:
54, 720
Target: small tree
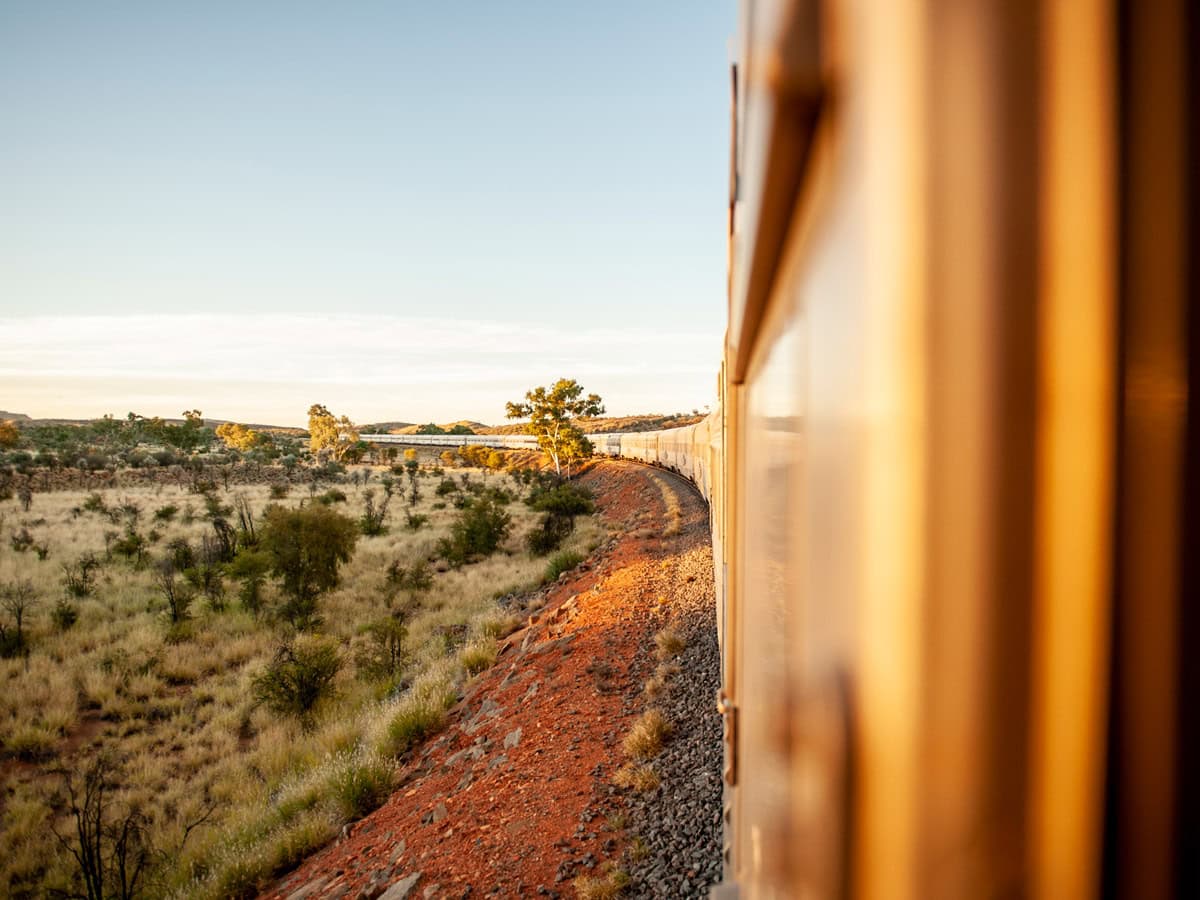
17, 598
384, 655
478, 531
241, 437
178, 594
306, 546
327, 432
111, 846
297, 678
550, 412
251, 568
10, 434
372, 521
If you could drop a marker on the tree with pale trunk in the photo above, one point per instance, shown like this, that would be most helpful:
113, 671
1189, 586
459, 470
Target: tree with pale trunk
551, 412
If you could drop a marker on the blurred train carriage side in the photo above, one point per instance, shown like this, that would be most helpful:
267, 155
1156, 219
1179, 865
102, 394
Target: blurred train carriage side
952, 472
959, 473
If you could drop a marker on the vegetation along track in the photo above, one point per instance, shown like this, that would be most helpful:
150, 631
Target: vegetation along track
517, 797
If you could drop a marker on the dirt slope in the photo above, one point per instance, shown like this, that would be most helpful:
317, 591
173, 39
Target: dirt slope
515, 797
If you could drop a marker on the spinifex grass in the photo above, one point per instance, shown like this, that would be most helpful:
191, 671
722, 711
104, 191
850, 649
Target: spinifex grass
176, 703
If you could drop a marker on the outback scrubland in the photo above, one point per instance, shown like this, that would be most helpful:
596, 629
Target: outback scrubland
184, 710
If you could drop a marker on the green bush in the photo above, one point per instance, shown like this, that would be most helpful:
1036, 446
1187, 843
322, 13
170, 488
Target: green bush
562, 562
251, 568
299, 676
550, 533
478, 531
372, 521
166, 513
568, 499
307, 547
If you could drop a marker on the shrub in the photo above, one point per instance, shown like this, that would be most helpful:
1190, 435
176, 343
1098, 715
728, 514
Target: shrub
447, 486
299, 676
132, 546
550, 533
279, 491
79, 578
64, 615
307, 547
11, 643
177, 594
417, 577
332, 496
415, 521
560, 562
18, 598
478, 531
251, 568
568, 499
166, 513
21, 540
371, 523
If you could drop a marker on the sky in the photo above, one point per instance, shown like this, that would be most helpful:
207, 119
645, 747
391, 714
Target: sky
405, 211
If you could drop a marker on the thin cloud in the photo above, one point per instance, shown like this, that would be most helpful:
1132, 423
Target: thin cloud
460, 365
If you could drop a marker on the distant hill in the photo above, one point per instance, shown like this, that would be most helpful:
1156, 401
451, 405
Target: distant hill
410, 428
22, 419
614, 424
598, 425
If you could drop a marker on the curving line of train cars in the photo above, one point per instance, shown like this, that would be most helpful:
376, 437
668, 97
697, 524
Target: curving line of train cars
692, 451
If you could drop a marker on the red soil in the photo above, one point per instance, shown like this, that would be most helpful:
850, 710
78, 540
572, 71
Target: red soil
520, 780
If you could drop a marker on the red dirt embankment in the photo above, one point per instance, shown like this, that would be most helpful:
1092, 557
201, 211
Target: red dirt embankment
515, 796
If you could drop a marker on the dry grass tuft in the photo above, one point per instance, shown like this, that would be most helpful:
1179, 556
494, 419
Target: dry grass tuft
177, 704
655, 687
647, 736
478, 655
602, 887
641, 778
668, 643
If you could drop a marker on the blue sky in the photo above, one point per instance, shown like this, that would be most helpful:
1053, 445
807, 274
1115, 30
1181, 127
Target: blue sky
360, 188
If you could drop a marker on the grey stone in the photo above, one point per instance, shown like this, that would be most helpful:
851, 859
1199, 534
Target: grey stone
401, 889
512, 739
310, 889
439, 813
497, 761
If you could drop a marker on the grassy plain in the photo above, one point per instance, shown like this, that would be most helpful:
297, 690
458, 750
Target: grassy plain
176, 705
